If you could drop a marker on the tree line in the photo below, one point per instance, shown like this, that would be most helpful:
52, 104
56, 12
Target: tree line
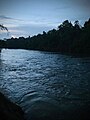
68, 38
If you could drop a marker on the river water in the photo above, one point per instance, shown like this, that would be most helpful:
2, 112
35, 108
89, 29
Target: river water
48, 86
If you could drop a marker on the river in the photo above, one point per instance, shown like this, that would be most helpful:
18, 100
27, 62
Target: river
48, 86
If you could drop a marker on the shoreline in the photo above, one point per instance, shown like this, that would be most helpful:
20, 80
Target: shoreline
72, 55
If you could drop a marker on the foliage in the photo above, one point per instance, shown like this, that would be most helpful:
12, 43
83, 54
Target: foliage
2, 43
3, 27
68, 39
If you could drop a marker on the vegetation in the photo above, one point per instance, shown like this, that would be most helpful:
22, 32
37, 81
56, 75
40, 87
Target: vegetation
2, 43
3, 27
68, 38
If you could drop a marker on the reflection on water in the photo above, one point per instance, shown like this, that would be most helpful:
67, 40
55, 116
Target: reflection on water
48, 86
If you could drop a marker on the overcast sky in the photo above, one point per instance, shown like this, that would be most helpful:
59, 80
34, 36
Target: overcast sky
30, 17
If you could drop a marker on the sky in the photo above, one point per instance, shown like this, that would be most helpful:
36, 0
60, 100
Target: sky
31, 17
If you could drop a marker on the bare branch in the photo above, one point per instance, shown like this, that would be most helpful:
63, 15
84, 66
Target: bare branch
3, 27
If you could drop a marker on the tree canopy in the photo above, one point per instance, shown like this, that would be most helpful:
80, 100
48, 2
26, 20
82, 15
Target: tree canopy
68, 38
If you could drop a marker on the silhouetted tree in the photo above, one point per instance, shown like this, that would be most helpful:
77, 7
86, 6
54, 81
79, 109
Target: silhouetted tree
68, 39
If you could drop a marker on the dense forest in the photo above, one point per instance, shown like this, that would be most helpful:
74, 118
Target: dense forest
68, 38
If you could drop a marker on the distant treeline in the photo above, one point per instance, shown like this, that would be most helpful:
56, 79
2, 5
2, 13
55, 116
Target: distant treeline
2, 44
68, 38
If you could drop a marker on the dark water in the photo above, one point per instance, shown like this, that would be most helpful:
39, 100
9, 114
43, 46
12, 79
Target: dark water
48, 86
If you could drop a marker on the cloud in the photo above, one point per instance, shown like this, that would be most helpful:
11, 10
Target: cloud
33, 21
4, 17
37, 16
18, 27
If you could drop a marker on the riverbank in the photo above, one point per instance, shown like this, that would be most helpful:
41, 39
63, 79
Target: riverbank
9, 110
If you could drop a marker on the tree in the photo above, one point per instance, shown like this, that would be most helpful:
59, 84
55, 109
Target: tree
77, 25
2, 43
87, 24
65, 24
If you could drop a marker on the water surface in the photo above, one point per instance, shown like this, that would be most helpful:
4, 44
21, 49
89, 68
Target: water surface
48, 86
